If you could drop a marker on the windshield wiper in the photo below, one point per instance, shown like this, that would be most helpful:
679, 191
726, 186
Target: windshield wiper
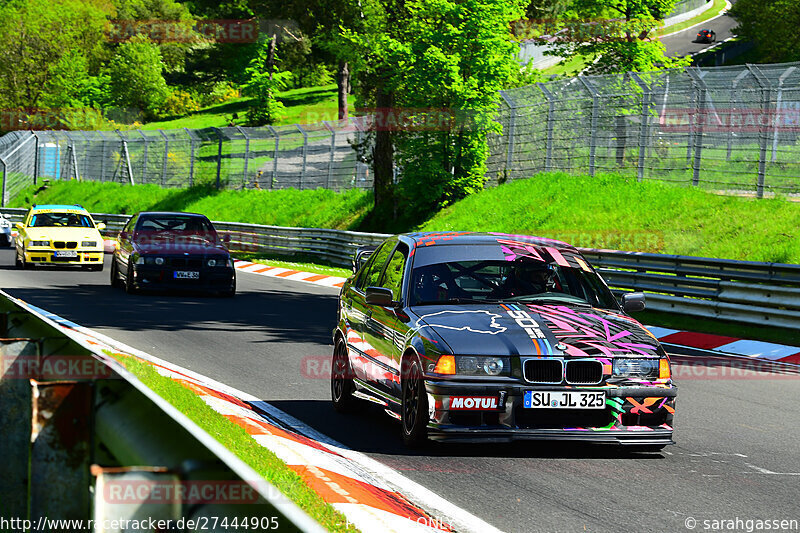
456, 301
574, 300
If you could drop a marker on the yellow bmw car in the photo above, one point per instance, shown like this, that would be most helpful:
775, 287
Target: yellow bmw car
60, 235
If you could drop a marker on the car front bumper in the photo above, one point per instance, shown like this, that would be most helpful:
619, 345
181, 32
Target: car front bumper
156, 278
47, 256
633, 415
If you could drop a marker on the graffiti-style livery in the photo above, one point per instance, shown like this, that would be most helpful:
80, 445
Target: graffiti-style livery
476, 336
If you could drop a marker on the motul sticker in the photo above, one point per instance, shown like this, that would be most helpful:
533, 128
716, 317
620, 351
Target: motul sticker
473, 403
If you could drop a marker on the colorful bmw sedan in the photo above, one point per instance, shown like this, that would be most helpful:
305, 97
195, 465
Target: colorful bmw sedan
59, 235
480, 336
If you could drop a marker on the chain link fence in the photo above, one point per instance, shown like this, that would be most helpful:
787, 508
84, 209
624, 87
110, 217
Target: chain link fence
280, 157
721, 128
724, 128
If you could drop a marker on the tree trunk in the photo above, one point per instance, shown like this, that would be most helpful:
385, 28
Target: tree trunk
343, 81
271, 55
383, 157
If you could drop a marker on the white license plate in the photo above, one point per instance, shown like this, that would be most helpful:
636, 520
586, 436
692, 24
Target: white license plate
565, 400
65, 253
187, 274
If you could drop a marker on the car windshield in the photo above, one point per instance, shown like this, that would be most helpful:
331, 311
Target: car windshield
60, 220
528, 281
187, 228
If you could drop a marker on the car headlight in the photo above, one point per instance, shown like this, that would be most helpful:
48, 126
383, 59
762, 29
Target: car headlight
138, 259
89, 244
150, 260
213, 262
473, 365
40, 243
636, 368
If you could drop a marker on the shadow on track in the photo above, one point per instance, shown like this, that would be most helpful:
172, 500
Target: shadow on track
373, 431
272, 315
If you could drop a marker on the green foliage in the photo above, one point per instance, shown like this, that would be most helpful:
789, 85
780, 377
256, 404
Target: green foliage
772, 26
179, 103
136, 77
261, 86
443, 62
46, 46
617, 33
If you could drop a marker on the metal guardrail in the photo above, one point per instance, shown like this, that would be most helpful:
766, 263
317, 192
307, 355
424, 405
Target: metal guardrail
91, 441
750, 292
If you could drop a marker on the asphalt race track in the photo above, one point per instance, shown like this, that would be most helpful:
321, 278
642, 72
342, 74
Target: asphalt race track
737, 454
682, 43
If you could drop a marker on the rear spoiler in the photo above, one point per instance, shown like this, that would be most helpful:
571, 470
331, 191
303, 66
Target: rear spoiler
362, 254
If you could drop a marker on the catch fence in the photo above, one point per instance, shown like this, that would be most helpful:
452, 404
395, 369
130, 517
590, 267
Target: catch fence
731, 129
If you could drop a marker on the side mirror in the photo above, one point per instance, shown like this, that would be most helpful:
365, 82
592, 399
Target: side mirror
123, 235
101, 226
379, 296
19, 225
633, 301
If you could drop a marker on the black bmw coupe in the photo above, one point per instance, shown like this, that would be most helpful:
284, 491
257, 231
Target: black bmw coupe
165, 250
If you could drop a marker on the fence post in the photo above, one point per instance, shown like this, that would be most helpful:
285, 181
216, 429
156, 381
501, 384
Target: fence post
246, 154
191, 156
645, 117
333, 151
551, 114
127, 156
512, 116
593, 140
702, 91
5, 171
166, 158
36, 159
102, 155
305, 153
734, 93
274, 157
778, 103
763, 134
219, 156
144, 156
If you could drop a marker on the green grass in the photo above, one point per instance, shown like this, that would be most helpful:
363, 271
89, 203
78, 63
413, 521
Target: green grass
285, 207
569, 67
679, 220
302, 106
300, 263
238, 441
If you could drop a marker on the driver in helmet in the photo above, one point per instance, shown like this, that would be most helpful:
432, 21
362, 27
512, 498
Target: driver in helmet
526, 278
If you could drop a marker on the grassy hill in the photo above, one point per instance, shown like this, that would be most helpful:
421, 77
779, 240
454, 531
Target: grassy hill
606, 211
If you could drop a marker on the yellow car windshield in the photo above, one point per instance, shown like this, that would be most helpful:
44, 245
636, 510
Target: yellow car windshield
60, 220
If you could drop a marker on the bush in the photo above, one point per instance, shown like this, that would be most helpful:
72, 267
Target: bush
136, 76
178, 104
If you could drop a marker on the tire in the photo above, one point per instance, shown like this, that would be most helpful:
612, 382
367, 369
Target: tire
414, 404
230, 293
342, 386
115, 281
17, 261
130, 287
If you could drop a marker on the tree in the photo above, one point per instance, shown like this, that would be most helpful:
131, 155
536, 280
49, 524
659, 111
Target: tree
261, 84
616, 35
772, 26
433, 69
136, 73
47, 48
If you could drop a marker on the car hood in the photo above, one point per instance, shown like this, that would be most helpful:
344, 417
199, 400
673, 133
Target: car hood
181, 248
530, 330
63, 234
